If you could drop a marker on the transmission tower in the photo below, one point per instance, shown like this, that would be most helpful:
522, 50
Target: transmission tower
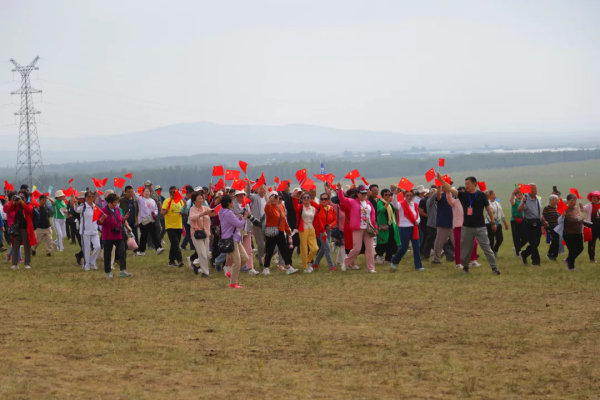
29, 154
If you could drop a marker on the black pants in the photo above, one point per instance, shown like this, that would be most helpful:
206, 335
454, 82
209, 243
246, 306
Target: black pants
517, 232
216, 232
281, 242
574, 243
188, 235
390, 248
149, 229
174, 251
496, 238
554, 243
595, 236
72, 231
163, 230
531, 235
428, 243
120, 254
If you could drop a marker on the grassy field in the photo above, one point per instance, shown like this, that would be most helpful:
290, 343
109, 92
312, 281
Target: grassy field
166, 333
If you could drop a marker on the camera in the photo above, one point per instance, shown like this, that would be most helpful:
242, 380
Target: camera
253, 220
115, 230
16, 198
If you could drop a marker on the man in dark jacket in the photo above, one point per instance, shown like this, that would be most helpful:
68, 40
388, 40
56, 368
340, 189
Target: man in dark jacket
129, 205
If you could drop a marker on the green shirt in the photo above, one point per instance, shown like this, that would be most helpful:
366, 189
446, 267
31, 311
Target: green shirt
514, 210
60, 209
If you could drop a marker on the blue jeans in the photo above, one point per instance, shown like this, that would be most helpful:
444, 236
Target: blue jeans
406, 234
325, 250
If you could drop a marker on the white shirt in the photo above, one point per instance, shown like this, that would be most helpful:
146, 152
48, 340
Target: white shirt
91, 227
403, 221
496, 212
308, 216
365, 213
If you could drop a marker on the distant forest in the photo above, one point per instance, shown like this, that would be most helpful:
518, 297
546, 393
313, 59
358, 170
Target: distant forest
373, 168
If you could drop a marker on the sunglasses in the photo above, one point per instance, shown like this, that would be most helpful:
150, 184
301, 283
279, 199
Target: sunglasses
387, 194
274, 196
305, 197
324, 198
172, 192
362, 193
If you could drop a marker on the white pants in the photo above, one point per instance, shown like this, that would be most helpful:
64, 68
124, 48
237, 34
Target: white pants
61, 232
201, 246
94, 240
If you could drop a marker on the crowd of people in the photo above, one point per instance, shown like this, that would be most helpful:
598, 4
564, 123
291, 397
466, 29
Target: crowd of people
247, 229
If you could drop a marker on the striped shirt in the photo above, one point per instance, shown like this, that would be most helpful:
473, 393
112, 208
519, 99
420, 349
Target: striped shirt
551, 216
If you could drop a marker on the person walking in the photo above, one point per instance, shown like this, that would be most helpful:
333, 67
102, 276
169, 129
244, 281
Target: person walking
189, 191
309, 227
23, 232
533, 219
130, 207
88, 230
239, 205
496, 238
258, 201
474, 204
551, 216
457, 223
408, 223
199, 219
43, 233
328, 219
171, 210
276, 228
112, 235
516, 220
60, 218
431, 224
573, 231
443, 224
592, 211
147, 215
231, 224
389, 233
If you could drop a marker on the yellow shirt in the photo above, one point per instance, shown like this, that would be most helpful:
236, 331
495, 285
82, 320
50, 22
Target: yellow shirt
173, 217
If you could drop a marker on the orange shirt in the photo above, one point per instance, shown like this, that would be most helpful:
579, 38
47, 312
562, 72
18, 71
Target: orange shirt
273, 213
327, 215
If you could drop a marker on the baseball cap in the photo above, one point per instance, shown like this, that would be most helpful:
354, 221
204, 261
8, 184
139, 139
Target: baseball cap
363, 189
157, 187
273, 193
147, 183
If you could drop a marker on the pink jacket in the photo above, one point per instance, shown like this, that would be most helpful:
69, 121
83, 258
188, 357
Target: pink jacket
354, 206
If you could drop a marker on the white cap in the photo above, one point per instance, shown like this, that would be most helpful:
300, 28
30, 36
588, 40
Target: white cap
273, 193
296, 189
197, 188
239, 192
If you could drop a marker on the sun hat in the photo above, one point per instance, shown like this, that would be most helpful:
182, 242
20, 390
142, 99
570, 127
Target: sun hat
59, 193
147, 183
419, 189
157, 187
594, 193
239, 192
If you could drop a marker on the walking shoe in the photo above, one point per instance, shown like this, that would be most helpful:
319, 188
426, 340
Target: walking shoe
78, 259
394, 266
27, 267
372, 271
459, 266
524, 259
465, 270
536, 265
2, 249
196, 269
48, 254
112, 266
435, 262
228, 274
234, 286
333, 268
355, 267
139, 254
253, 272
474, 264
33, 253
308, 270
378, 260
281, 267
14, 267
124, 274
420, 269
109, 275
550, 257
189, 260
172, 264
343, 267
495, 271
95, 268
266, 271
244, 269
573, 269
159, 251
86, 268
291, 270
180, 264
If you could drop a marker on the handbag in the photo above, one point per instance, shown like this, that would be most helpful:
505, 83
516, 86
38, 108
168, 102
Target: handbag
273, 231
533, 222
226, 245
383, 227
13, 230
147, 220
131, 244
200, 233
371, 231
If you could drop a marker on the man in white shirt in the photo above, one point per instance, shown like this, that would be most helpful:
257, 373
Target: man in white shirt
258, 201
88, 228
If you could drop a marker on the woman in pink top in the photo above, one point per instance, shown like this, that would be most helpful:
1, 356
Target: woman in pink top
457, 223
200, 221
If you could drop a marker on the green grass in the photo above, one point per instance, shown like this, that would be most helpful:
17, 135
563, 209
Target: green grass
165, 333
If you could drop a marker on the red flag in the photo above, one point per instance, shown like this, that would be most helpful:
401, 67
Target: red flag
219, 185
301, 175
320, 177
282, 186
68, 192
364, 180
8, 186
405, 184
329, 179
441, 162
119, 182
76, 194
352, 175
177, 196
524, 188
34, 203
97, 214
99, 183
100, 192
2, 197
429, 175
243, 166
438, 182
129, 175
561, 207
47, 194
104, 182
217, 208
447, 179
140, 190
270, 189
587, 234
400, 196
217, 170
71, 180
308, 184
238, 184
276, 180
261, 181
247, 201
231, 174
576, 193
36, 194
183, 191
482, 186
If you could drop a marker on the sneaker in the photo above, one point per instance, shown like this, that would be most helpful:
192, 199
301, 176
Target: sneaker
394, 266
355, 267
465, 270
459, 266
344, 267
27, 267
536, 265
550, 258
112, 266
281, 267
378, 260
95, 268
573, 269
172, 264
228, 274
253, 272
372, 271
86, 268
48, 254
436, 262
420, 269
109, 275
33, 253
333, 268
291, 270
14, 267
495, 271
524, 259
78, 259
180, 264
124, 274
139, 254
195, 268
189, 260
308, 270
234, 286
474, 264
159, 251
244, 269
266, 271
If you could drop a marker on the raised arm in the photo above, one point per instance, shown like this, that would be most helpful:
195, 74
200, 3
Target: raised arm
447, 185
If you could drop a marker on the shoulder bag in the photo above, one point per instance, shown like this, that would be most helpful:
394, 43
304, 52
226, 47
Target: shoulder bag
273, 231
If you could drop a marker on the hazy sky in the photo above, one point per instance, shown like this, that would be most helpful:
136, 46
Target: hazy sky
111, 67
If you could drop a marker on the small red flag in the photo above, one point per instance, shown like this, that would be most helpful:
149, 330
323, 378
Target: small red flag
231, 174
405, 184
308, 184
97, 214
438, 182
217, 208
524, 188
364, 180
561, 207
352, 175
68, 192
219, 185
177, 196
1, 197
269, 189
400, 196
71, 180
282, 186
301, 175
36, 194
587, 234
140, 190
319, 177
247, 201
238, 184
261, 181
8, 186
47, 194
100, 192
576, 193
483, 186
441, 162
119, 182
183, 191
276, 180
129, 175
429, 175
329, 179
243, 166
447, 179
218, 170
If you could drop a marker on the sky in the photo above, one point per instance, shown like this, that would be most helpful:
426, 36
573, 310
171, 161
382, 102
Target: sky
417, 67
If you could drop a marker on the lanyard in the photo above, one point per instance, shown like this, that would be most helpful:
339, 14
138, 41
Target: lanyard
471, 200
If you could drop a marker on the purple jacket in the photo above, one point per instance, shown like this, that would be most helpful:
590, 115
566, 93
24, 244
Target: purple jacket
230, 225
111, 222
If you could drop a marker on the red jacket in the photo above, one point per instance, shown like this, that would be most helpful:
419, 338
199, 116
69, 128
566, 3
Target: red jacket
27, 213
300, 223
